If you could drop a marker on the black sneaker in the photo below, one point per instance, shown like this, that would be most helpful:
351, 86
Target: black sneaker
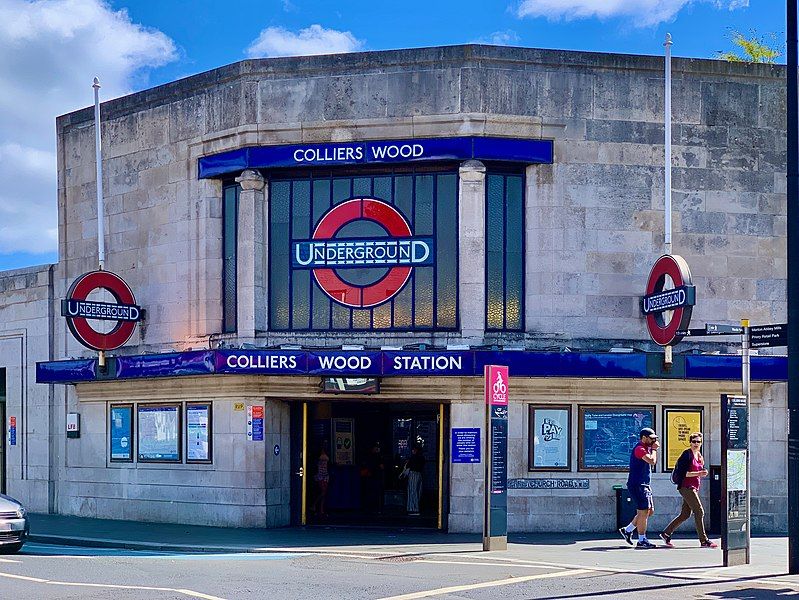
628, 537
667, 539
644, 545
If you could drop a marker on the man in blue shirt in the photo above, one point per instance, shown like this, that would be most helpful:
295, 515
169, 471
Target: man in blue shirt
642, 458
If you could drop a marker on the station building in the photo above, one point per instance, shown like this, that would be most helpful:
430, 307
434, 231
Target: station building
328, 250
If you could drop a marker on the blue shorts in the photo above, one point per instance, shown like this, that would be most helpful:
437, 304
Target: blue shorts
642, 496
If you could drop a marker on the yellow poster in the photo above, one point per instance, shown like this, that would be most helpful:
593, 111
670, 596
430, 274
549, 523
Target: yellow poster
680, 424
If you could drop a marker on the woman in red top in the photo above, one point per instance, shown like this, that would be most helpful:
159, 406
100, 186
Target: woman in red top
692, 465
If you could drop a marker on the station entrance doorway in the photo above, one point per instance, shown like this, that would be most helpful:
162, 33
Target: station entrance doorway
350, 461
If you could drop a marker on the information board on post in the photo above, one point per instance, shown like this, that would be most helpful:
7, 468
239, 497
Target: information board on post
735, 530
495, 522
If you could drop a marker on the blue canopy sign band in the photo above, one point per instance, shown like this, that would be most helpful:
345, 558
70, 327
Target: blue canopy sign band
658, 300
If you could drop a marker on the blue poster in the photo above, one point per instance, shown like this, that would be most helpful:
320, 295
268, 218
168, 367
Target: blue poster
466, 445
159, 434
122, 433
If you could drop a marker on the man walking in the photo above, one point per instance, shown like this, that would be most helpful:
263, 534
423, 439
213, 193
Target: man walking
643, 456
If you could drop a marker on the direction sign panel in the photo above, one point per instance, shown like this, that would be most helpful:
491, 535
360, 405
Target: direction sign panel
766, 336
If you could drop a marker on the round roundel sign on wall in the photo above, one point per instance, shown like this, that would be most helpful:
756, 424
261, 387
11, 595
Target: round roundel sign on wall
362, 252
669, 300
78, 310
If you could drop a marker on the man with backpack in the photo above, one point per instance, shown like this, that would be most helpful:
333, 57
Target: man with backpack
687, 474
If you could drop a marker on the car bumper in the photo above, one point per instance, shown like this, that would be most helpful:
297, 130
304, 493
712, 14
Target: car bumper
13, 531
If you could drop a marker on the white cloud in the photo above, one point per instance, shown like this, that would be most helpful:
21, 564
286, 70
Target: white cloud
643, 12
51, 50
277, 41
506, 37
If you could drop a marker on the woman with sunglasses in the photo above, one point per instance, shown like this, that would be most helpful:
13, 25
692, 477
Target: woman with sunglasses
691, 467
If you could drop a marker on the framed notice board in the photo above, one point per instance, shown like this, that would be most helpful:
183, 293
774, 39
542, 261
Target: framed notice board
608, 434
679, 422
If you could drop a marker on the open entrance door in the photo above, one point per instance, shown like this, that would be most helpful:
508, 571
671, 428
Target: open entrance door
355, 464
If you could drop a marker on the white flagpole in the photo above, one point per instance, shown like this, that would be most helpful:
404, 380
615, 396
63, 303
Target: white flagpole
667, 126
98, 150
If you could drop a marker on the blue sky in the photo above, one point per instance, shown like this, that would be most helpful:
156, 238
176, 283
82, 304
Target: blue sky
55, 47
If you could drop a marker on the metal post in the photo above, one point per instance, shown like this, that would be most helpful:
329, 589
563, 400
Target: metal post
793, 291
98, 151
745, 389
667, 157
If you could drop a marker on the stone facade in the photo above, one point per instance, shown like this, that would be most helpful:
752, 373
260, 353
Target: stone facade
594, 226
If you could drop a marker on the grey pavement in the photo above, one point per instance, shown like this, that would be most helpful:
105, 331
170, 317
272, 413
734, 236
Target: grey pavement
595, 551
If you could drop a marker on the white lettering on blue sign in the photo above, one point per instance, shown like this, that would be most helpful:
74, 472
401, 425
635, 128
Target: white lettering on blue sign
397, 151
340, 363
427, 363
260, 361
359, 253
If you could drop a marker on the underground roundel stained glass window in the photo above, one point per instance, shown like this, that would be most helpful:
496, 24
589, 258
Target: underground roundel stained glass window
371, 252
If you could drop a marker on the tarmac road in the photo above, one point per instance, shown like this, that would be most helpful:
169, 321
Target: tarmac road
602, 568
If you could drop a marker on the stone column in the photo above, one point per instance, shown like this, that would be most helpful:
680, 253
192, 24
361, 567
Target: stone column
251, 256
472, 253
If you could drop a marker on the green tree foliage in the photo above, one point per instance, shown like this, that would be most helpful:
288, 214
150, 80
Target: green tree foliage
752, 49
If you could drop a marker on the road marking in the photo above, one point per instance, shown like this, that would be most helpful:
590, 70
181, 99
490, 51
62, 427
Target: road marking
8, 560
485, 584
480, 564
185, 592
539, 562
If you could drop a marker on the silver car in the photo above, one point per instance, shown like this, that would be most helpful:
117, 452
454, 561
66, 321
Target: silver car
14, 526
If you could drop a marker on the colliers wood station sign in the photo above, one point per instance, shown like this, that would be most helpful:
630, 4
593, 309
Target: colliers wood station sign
669, 289
78, 311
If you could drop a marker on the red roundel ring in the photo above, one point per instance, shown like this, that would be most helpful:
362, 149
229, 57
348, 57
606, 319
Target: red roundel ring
79, 326
396, 278
677, 269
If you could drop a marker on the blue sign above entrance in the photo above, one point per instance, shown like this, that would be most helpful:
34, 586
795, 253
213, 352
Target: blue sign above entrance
377, 151
392, 363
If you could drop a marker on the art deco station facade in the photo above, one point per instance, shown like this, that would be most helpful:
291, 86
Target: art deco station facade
386, 224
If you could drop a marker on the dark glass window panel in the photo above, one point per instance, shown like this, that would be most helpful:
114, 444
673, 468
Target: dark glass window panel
230, 197
423, 297
495, 209
514, 247
403, 308
301, 210
423, 215
362, 186
321, 199
362, 319
446, 248
381, 316
280, 244
505, 252
341, 316
403, 196
514, 297
342, 189
321, 307
495, 292
300, 299
383, 187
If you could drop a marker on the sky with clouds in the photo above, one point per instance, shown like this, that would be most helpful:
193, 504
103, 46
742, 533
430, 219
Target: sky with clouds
51, 49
